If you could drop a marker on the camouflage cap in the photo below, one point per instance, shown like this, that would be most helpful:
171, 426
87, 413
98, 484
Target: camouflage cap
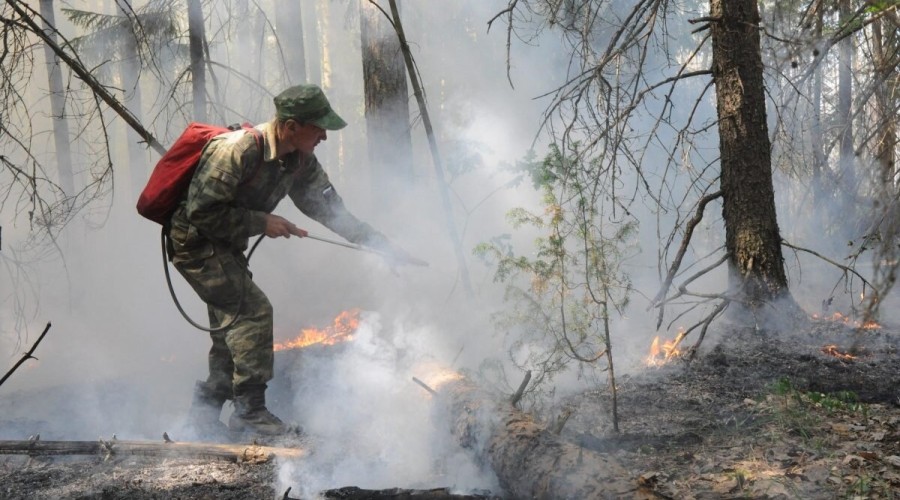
307, 104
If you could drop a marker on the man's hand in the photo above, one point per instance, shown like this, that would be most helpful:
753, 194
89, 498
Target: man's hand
277, 226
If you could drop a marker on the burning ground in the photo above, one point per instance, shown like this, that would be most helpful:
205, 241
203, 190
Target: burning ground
806, 414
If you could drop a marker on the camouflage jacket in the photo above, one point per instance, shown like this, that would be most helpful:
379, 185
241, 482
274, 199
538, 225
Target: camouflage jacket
231, 192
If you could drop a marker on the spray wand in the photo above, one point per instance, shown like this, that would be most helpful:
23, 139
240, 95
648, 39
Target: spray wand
401, 258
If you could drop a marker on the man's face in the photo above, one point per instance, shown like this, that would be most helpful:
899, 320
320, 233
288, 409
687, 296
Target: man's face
306, 137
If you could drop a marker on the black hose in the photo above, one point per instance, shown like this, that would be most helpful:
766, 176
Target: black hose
175, 298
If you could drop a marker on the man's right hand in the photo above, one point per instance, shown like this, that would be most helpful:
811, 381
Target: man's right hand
277, 226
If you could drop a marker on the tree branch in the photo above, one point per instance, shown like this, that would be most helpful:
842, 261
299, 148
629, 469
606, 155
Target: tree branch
688, 232
27, 356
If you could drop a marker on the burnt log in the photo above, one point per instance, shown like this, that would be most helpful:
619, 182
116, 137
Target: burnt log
241, 453
530, 461
354, 493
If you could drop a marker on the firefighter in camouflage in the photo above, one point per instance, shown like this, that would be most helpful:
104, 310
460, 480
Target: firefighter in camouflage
233, 192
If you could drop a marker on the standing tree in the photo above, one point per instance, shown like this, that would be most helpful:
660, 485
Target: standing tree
386, 97
197, 37
752, 238
289, 28
57, 103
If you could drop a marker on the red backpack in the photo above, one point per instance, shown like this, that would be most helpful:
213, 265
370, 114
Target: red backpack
173, 172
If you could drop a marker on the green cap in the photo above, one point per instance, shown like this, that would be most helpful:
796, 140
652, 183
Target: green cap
307, 104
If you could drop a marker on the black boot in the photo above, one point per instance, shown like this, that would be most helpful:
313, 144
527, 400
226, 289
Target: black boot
203, 416
251, 415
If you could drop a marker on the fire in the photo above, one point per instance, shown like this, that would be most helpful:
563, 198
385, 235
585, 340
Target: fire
832, 350
847, 320
662, 354
435, 375
345, 324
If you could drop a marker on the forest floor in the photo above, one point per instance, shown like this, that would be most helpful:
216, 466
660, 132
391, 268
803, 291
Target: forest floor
758, 416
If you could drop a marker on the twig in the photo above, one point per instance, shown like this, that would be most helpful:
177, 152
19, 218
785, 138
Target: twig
27, 356
833, 263
514, 400
425, 386
721, 307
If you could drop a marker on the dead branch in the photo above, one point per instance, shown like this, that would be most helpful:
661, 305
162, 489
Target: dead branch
424, 386
240, 453
85, 76
28, 355
443, 189
509, 11
676, 264
706, 322
838, 265
561, 420
514, 400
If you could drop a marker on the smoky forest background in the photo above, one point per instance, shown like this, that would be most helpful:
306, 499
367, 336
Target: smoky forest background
581, 175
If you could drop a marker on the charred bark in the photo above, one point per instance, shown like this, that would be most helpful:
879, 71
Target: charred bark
752, 237
387, 96
196, 37
529, 460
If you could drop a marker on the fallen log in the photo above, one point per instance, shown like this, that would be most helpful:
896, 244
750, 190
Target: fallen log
354, 493
240, 453
529, 460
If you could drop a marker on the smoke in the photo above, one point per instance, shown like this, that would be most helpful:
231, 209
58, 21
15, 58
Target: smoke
372, 426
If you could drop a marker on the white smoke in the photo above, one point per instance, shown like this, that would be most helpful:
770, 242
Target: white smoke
373, 427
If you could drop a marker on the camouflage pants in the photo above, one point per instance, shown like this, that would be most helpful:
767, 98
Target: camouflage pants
241, 355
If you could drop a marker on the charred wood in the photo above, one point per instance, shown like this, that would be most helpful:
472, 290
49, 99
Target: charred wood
529, 460
354, 493
240, 453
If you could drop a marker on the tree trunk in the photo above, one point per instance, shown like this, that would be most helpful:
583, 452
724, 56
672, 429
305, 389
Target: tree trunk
844, 116
529, 461
132, 99
387, 108
752, 238
57, 104
313, 30
886, 137
289, 29
196, 37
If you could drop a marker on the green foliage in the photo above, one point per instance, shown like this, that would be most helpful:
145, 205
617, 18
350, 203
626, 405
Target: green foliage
563, 289
154, 25
798, 411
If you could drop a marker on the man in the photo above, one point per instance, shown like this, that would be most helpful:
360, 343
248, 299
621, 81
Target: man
234, 189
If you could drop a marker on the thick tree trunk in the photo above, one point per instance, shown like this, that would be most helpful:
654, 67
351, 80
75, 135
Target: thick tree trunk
387, 107
752, 238
57, 104
529, 461
289, 29
196, 37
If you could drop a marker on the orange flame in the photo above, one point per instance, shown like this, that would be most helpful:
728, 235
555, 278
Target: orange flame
662, 354
832, 350
847, 320
342, 330
435, 375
